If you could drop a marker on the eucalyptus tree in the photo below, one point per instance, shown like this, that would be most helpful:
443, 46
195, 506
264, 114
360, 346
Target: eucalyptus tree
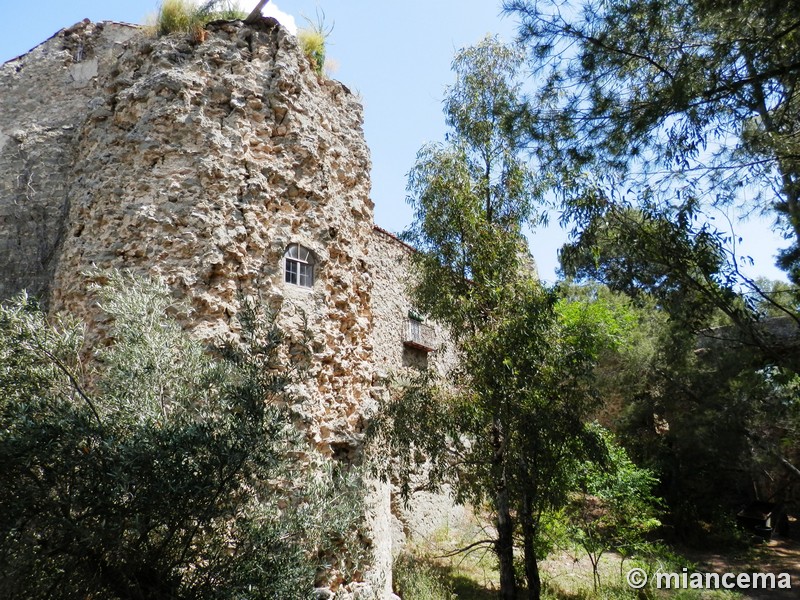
507, 422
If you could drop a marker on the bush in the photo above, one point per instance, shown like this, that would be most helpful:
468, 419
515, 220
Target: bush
157, 471
415, 579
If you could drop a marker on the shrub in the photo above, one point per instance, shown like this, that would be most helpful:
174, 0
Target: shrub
188, 17
615, 508
159, 470
415, 579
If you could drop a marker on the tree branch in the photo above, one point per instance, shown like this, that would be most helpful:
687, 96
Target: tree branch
486, 542
73, 380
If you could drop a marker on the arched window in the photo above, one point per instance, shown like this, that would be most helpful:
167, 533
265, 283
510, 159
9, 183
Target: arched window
299, 265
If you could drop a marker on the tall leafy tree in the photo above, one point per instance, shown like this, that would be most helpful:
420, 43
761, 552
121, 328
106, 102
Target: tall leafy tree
688, 105
652, 116
506, 424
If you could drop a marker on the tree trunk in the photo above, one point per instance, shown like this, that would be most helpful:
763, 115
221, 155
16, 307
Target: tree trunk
255, 14
529, 548
504, 547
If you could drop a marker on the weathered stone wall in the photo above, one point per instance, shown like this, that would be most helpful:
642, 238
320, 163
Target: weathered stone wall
391, 275
426, 514
200, 163
44, 96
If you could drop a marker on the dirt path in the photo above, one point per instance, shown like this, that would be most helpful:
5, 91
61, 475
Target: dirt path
779, 556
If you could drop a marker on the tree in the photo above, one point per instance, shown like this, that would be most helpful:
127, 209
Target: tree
508, 421
652, 117
614, 508
157, 470
692, 101
713, 418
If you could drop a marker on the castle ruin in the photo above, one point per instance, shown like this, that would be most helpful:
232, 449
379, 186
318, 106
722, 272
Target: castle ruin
229, 168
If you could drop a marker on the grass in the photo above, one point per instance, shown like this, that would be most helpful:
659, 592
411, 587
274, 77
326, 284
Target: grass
468, 587
566, 575
424, 577
186, 16
570, 578
189, 17
313, 41
468, 576
419, 579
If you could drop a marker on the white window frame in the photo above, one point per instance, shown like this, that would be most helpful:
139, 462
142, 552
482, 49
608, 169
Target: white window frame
298, 266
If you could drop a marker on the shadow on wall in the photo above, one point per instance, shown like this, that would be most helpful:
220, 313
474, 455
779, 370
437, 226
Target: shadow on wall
415, 358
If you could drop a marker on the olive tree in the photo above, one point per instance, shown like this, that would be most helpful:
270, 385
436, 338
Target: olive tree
159, 468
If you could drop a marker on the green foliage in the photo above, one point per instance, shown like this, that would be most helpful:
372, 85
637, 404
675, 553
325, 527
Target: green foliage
653, 118
775, 298
187, 16
415, 579
153, 370
175, 15
474, 192
685, 103
222, 10
654, 558
419, 426
611, 321
160, 472
652, 251
722, 408
615, 508
506, 425
623, 337
313, 41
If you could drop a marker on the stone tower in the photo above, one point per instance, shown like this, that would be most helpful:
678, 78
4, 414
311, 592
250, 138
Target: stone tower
212, 165
198, 162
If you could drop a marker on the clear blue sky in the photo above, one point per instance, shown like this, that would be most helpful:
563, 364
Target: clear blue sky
396, 55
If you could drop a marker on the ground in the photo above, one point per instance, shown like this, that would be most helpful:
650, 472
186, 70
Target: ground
473, 576
780, 555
